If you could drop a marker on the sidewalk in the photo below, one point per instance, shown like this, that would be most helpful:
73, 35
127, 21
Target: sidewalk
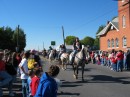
16, 89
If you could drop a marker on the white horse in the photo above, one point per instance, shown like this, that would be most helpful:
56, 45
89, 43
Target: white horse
51, 55
80, 61
64, 58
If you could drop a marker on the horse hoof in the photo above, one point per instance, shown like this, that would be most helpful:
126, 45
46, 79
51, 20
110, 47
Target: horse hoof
74, 76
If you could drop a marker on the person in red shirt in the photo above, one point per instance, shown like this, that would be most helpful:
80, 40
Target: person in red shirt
120, 57
35, 81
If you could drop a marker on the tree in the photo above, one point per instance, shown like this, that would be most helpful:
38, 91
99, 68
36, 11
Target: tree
88, 41
69, 40
100, 29
19, 39
6, 38
96, 42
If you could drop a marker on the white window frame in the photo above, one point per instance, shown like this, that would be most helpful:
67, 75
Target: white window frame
117, 42
123, 21
124, 41
112, 43
108, 43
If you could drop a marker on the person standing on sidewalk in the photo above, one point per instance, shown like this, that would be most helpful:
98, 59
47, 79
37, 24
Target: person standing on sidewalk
128, 60
120, 58
24, 74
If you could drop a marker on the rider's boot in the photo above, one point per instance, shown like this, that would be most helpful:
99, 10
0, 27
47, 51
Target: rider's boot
72, 60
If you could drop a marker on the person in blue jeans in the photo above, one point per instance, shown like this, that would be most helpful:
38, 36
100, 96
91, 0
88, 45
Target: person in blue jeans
5, 78
77, 47
120, 58
24, 74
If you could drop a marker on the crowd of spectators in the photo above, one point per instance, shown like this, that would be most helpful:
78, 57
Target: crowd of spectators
115, 60
26, 65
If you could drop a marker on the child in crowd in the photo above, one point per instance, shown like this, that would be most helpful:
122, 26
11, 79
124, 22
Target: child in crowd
31, 75
114, 63
47, 85
35, 81
98, 60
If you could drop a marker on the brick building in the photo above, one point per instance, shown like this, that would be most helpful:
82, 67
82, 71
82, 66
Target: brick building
116, 34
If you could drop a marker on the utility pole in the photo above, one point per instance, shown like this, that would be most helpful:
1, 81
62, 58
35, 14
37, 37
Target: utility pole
17, 48
38, 48
43, 45
63, 35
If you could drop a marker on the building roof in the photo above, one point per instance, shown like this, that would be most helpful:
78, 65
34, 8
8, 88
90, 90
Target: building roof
114, 23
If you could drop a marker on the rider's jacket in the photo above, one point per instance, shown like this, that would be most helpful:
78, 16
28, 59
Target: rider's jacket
77, 48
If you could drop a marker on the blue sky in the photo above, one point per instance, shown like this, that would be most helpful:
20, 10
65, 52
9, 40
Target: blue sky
42, 20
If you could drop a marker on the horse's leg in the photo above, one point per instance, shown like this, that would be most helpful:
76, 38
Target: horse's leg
63, 65
77, 71
60, 64
74, 71
83, 72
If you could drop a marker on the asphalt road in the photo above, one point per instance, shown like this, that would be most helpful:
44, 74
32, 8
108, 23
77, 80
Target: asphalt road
99, 81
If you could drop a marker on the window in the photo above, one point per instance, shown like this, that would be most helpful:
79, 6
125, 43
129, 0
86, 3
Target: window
108, 43
112, 27
124, 42
117, 42
112, 42
123, 0
123, 21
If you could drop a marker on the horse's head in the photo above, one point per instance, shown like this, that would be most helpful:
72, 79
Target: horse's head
86, 52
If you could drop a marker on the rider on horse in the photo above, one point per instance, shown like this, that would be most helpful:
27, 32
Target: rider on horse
49, 51
62, 50
77, 47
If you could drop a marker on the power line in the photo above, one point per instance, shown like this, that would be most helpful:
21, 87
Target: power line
93, 19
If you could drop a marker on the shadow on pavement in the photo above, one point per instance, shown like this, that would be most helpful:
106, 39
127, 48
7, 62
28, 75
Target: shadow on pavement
108, 79
67, 93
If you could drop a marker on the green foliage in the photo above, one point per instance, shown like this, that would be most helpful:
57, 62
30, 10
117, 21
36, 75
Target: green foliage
19, 38
100, 28
8, 38
69, 40
96, 43
88, 41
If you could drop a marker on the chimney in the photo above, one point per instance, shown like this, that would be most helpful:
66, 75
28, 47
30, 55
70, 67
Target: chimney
108, 22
